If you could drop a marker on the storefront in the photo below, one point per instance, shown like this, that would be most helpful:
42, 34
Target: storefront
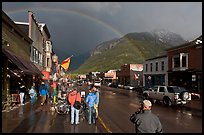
17, 72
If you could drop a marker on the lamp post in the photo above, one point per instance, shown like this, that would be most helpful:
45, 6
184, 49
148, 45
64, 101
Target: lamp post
54, 85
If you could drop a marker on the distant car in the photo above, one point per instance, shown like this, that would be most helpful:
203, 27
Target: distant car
97, 83
128, 87
109, 84
120, 86
114, 85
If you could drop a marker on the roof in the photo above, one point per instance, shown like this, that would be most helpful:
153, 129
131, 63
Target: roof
10, 22
161, 56
192, 43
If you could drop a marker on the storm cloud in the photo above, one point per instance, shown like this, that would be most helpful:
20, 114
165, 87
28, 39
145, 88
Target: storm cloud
77, 27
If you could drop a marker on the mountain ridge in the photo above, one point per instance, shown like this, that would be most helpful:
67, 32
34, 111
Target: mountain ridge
129, 49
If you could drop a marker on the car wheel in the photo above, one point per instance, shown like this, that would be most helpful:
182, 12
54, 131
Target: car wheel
145, 96
167, 102
184, 95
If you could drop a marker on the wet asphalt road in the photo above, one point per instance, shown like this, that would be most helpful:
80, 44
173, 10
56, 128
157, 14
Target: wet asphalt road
40, 119
116, 106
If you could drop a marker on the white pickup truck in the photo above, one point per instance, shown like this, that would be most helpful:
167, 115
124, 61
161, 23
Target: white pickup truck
169, 95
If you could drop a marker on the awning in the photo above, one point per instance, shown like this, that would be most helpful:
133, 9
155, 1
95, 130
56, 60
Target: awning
26, 66
46, 75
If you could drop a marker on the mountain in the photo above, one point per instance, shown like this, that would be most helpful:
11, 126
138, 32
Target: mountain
168, 37
132, 48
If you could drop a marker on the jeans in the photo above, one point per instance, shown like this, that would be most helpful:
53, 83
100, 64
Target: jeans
92, 115
22, 97
32, 99
74, 111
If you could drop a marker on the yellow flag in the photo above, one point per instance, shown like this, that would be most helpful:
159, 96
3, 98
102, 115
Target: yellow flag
65, 63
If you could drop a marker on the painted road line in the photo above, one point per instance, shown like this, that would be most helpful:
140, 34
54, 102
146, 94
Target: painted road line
101, 121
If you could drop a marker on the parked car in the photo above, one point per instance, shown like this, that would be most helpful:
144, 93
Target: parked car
97, 83
128, 87
169, 95
114, 85
120, 86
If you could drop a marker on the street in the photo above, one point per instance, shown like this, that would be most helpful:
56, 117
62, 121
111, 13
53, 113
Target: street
115, 108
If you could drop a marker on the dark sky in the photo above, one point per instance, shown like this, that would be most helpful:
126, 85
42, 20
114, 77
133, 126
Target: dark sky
77, 27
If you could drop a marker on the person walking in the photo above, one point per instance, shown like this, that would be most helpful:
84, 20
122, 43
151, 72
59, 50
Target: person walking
43, 93
91, 100
72, 97
22, 91
32, 94
145, 121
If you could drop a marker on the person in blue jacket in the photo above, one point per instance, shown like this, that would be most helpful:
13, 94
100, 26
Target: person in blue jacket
43, 93
91, 100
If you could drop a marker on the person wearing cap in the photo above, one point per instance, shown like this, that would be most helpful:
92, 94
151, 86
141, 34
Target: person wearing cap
147, 122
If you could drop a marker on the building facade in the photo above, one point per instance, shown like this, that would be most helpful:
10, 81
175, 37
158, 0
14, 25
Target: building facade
130, 74
41, 47
17, 69
47, 51
155, 71
110, 76
185, 65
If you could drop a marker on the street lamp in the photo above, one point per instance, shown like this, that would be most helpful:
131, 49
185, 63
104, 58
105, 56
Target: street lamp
54, 85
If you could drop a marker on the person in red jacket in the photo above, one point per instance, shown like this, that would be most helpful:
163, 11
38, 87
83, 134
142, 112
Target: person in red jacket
74, 96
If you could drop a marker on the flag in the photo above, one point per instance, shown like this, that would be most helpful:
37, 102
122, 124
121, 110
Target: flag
65, 63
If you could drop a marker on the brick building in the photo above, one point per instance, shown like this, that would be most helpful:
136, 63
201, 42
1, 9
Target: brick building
185, 65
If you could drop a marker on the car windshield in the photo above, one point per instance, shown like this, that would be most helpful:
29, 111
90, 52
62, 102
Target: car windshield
175, 89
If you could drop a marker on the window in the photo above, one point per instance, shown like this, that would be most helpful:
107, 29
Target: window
40, 59
156, 66
161, 89
36, 56
183, 61
151, 67
146, 67
162, 65
180, 62
33, 57
176, 62
48, 62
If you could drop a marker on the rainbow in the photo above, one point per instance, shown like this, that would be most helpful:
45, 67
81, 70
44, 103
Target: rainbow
68, 11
